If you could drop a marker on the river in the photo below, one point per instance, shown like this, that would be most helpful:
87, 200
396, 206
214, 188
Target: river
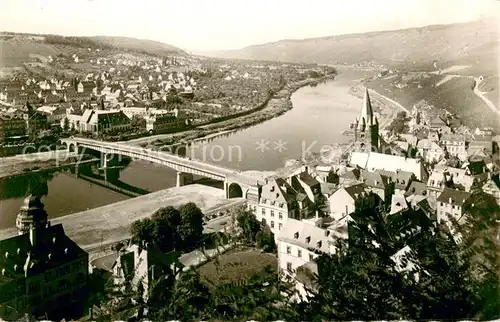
318, 117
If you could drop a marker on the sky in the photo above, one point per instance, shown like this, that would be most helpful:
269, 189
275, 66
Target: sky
231, 24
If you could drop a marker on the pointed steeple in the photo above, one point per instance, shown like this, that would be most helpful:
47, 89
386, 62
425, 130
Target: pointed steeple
366, 109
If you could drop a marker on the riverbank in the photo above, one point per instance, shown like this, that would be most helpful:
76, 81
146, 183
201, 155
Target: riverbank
276, 106
112, 222
27, 163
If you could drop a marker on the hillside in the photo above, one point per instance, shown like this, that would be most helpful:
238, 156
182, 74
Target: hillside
472, 43
133, 44
16, 49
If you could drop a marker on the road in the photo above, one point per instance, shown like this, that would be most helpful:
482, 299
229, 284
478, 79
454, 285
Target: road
218, 224
481, 96
395, 106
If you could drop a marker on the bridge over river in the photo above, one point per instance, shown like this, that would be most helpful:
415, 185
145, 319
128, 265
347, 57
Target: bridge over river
236, 182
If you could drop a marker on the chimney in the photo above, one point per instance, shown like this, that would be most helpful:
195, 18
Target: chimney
449, 200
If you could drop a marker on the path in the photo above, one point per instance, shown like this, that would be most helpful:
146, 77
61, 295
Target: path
477, 82
484, 98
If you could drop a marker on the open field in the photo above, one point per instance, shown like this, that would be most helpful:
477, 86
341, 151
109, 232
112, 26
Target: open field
237, 265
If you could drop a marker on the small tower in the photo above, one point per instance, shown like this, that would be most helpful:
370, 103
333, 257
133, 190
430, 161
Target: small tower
366, 136
31, 214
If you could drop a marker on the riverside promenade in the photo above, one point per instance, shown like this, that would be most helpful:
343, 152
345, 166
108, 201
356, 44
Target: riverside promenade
109, 224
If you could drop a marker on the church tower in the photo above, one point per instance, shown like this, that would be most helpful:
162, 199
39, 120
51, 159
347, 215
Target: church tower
366, 136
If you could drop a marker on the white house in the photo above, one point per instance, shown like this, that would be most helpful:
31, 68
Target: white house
430, 151
342, 202
299, 243
277, 203
451, 202
455, 145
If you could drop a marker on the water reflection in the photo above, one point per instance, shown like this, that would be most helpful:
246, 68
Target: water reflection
23, 185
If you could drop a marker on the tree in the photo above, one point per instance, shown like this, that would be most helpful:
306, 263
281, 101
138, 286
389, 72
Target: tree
361, 281
262, 297
191, 225
265, 240
142, 231
332, 177
249, 226
183, 299
138, 122
66, 124
166, 228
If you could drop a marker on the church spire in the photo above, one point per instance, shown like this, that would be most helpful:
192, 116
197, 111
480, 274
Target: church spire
366, 109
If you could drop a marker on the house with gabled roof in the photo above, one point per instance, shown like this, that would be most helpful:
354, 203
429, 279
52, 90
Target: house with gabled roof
299, 243
401, 179
492, 188
455, 145
416, 188
378, 183
343, 201
278, 202
86, 87
452, 203
430, 151
99, 121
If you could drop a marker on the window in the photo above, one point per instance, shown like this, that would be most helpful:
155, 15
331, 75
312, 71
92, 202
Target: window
263, 211
288, 249
272, 224
311, 257
272, 213
280, 215
441, 204
289, 266
299, 253
453, 207
280, 225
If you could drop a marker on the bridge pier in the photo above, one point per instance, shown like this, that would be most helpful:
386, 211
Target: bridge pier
184, 179
226, 189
